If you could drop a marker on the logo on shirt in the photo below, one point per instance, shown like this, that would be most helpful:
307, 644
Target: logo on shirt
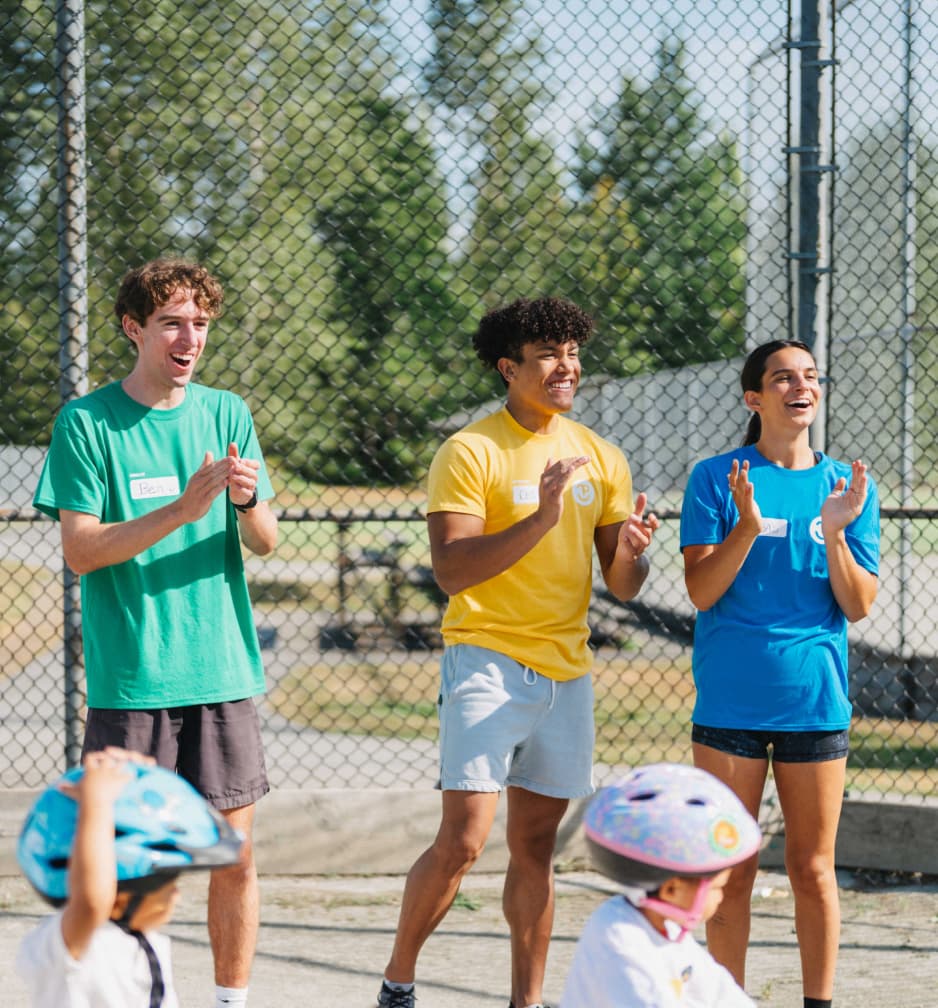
157, 486
774, 528
524, 493
584, 493
817, 533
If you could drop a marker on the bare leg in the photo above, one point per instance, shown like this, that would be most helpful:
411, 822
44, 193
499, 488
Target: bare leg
811, 796
728, 929
234, 908
528, 898
433, 881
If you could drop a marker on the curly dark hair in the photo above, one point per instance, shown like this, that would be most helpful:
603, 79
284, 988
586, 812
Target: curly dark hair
504, 331
148, 287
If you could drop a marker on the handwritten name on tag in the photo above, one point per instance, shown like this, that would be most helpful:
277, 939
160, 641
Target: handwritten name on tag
157, 486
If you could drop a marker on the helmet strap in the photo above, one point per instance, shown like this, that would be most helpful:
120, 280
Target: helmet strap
689, 918
138, 892
157, 986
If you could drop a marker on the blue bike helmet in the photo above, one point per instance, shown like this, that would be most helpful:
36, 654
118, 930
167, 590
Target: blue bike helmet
668, 820
162, 826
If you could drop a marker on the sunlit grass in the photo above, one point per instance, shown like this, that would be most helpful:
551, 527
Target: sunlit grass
642, 710
30, 614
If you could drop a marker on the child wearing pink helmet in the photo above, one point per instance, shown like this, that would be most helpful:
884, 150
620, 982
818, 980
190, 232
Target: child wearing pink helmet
668, 834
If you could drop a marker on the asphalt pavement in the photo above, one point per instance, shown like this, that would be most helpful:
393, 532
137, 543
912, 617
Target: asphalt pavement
324, 942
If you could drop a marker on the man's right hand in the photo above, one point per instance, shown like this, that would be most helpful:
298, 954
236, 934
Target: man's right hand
555, 479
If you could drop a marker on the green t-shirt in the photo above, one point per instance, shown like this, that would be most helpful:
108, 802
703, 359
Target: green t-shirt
172, 626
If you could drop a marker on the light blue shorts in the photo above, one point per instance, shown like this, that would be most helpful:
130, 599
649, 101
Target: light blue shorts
502, 724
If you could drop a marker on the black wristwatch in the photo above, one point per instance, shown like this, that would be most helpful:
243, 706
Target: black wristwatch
246, 507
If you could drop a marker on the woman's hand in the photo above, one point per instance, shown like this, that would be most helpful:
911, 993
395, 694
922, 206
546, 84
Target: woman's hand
844, 504
744, 496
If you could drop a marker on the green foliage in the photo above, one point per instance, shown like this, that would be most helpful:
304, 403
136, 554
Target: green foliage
663, 208
360, 229
28, 289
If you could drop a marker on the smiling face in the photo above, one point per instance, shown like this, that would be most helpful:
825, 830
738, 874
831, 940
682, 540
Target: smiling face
169, 344
790, 394
543, 383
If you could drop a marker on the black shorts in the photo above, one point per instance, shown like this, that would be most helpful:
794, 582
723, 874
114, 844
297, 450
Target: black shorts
216, 747
787, 746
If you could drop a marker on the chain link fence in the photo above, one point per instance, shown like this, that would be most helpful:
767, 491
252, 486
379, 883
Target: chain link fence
367, 178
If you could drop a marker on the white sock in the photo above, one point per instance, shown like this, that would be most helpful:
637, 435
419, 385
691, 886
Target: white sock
227, 996
394, 985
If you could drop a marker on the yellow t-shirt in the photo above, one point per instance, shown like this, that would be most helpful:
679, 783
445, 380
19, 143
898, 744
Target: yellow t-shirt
536, 611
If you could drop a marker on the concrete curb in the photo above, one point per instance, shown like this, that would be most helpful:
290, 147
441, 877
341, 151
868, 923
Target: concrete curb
381, 831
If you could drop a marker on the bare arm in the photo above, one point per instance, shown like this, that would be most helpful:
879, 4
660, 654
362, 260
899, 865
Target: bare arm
92, 871
90, 544
621, 549
258, 528
853, 586
463, 555
710, 569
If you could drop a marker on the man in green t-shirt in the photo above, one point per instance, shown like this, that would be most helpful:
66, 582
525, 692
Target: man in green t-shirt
156, 482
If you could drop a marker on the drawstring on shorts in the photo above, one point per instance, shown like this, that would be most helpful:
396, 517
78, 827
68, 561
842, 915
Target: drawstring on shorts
530, 679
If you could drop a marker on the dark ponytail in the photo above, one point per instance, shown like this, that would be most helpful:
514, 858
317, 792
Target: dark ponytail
751, 378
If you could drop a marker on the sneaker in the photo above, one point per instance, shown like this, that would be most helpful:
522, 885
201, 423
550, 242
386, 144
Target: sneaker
388, 997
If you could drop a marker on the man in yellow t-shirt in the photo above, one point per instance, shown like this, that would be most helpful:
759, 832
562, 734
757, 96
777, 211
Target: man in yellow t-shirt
517, 502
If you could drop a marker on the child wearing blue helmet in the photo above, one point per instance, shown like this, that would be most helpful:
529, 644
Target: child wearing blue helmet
668, 834
105, 845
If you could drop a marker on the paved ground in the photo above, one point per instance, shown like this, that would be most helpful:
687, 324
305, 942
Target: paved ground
324, 942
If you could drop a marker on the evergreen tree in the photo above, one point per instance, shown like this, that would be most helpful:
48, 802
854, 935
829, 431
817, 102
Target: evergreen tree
483, 78
386, 225
680, 255
29, 369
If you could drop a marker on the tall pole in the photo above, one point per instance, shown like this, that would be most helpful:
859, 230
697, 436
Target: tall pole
808, 177
73, 301
813, 253
908, 332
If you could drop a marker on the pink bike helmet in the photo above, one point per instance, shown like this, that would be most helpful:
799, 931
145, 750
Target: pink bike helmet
665, 820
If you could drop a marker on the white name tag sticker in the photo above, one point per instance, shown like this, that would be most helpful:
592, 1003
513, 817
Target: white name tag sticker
524, 493
774, 528
156, 486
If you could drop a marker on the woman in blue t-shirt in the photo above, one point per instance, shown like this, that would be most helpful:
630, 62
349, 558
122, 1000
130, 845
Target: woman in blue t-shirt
781, 551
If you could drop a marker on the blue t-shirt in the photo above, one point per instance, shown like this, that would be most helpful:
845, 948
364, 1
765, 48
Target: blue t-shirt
771, 654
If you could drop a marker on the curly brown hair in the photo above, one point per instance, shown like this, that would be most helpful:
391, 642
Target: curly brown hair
148, 287
504, 331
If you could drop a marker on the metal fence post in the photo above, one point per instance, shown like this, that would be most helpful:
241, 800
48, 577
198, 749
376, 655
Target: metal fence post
73, 300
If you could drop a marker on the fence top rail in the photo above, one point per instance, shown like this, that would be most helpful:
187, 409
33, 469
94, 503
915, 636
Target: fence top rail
352, 516
339, 516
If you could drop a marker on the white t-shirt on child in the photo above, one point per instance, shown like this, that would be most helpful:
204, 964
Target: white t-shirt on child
622, 961
113, 972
